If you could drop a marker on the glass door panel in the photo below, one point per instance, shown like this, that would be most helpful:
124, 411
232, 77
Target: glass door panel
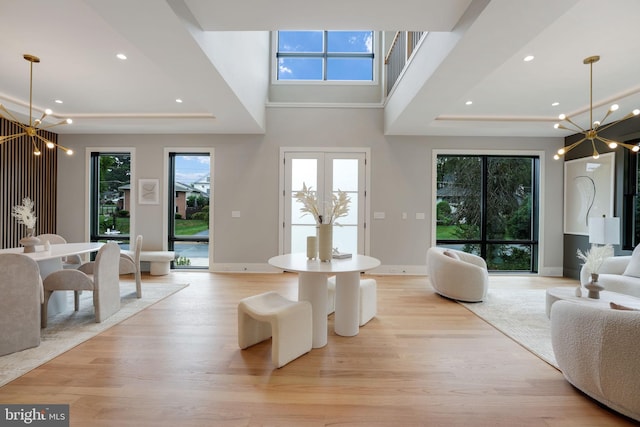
189, 206
325, 174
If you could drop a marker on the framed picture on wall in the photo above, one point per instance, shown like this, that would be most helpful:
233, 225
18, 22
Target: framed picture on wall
588, 191
148, 191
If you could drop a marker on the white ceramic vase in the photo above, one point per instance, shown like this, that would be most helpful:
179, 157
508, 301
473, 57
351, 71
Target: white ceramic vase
312, 247
325, 242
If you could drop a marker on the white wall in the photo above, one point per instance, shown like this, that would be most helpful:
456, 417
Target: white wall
246, 179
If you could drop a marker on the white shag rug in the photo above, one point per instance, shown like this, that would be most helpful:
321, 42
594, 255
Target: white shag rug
69, 329
520, 315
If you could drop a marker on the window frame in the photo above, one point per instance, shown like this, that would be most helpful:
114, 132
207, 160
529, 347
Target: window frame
275, 55
630, 199
331, 153
89, 190
165, 195
538, 219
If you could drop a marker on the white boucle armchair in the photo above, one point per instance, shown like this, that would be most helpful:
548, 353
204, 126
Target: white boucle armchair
597, 351
457, 275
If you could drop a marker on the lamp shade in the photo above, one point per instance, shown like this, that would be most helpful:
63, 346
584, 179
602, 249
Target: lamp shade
604, 231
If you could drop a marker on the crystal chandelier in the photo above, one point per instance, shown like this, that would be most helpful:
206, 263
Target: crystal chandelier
591, 134
31, 130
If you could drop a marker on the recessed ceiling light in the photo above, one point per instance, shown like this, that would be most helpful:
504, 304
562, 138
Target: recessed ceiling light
58, 101
555, 104
179, 101
528, 58
121, 56
468, 103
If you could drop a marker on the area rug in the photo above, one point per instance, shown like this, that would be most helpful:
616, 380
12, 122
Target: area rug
520, 315
69, 329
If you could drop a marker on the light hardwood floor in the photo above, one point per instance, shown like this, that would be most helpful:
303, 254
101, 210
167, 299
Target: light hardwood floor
423, 361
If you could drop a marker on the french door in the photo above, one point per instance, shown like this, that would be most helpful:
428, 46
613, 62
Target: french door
325, 172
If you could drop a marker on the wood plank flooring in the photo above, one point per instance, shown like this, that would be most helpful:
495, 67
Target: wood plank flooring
423, 361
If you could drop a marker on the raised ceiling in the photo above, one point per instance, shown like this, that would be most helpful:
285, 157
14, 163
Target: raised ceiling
214, 55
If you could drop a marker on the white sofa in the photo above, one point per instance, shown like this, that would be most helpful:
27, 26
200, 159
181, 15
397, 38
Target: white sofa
618, 274
457, 275
597, 351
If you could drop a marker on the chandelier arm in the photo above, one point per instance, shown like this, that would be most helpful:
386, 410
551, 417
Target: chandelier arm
606, 140
61, 122
47, 141
595, 151
628, 116
8, 138
568, 119
10, 116
574, 145
631, 147
36, 150
572, 129
41, 117
604, 119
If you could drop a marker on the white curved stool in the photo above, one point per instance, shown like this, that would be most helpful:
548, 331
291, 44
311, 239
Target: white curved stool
270, 314
368, 299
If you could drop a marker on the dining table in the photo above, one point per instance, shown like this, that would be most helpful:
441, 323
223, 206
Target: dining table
312, 287
49, 259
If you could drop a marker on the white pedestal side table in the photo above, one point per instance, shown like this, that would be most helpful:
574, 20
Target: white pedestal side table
312, 287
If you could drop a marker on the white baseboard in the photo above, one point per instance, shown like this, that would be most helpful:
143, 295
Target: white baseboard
388, 270
550, 271
243, 268
399, 270
409, 270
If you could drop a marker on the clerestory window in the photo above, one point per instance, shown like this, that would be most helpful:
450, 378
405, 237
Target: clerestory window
325, 55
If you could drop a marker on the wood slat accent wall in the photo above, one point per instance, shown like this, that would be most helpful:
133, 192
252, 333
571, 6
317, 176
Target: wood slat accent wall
22, 174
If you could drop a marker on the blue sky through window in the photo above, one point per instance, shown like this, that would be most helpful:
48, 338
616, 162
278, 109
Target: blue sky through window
191, 168
347, 55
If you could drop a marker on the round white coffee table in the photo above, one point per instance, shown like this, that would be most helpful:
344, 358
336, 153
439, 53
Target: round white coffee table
312, 287
568, 294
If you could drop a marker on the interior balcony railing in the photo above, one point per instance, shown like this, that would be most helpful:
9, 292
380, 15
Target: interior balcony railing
400, 51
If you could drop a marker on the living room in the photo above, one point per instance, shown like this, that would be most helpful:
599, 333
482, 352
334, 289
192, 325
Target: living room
246, 171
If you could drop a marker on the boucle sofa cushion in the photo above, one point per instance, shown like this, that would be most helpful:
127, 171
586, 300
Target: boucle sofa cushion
633, 268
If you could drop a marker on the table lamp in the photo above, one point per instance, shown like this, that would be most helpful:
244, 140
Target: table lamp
603, 231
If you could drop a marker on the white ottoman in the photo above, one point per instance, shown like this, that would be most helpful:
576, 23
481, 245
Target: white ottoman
270, 314
159, 261
368, 298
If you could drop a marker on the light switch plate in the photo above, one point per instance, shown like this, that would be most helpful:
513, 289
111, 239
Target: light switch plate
235, 214
378, 215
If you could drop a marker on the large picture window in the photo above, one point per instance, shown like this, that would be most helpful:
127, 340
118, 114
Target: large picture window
325, 55
487, 205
